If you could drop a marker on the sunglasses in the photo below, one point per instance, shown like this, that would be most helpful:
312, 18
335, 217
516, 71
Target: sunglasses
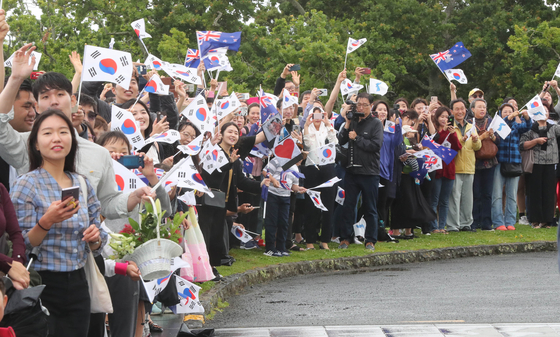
477, 95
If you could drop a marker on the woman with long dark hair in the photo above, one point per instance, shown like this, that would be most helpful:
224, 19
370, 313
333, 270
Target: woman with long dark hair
225, 182
66, 230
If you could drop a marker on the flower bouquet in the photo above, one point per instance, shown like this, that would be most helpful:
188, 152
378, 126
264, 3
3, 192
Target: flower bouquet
150, 244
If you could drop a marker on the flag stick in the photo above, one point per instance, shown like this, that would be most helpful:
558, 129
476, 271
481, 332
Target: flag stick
145, 48
139, 95
75, 109
553, 75
217, 74
209, 74
168, 174
444, 75
346, 58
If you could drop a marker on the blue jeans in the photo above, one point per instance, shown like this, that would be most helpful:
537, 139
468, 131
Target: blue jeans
482, 195
441, 192
368, 186
498, 216
276, 222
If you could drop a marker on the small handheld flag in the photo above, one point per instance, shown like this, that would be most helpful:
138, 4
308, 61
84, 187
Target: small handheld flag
139, 27
389, 126
456, 75
536, 109
340, 196
377, 87
8, 62
347, 87
192, 148
241, 234
156, 86
499, 126
122, 120
107, 65
126, 180
452, 57
316, 198
198, 113
169, 137
192, 60
326, 154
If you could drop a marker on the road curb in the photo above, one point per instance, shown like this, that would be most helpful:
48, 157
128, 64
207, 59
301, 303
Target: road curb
234, 284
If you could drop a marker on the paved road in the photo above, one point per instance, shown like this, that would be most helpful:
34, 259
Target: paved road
520, 288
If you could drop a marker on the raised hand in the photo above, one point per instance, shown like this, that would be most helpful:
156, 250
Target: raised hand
76, 62
21, 67
4, 27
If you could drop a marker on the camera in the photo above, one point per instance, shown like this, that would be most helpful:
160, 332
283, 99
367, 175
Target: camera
353, 113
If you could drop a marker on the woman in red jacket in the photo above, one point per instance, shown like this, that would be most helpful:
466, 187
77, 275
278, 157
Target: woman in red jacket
445, 177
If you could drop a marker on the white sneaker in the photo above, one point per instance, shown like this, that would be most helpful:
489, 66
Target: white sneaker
523, 220
358, 242
337, 240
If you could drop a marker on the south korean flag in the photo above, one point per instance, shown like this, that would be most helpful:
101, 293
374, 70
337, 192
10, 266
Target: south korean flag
126, 180
8, 63
326, 154
107, 65
122, 120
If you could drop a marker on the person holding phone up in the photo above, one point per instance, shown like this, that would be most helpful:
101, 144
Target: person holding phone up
66, 230
445, 177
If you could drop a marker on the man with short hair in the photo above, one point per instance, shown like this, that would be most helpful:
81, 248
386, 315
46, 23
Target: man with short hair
364, 133
24, 116
282, 83
89, 105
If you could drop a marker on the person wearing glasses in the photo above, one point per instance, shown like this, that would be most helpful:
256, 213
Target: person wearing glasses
89, 106
473, 94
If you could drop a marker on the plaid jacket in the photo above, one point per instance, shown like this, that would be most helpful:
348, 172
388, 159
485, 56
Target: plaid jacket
62, 250
508, 149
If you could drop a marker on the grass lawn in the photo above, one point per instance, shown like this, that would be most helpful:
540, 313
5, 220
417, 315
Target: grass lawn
251, 259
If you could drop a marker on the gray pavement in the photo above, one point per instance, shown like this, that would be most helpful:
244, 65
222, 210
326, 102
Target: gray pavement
517, 288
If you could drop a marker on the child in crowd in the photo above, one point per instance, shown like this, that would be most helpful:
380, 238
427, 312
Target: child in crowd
278, 206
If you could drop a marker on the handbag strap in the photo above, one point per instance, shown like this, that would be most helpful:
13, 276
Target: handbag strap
229, 183
83, 187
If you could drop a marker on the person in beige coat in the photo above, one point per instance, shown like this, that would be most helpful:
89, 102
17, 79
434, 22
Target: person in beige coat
460, 215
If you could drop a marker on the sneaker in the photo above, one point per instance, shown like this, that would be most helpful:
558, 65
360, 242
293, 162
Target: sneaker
370, 246
356, 241
501, 228
285, 253
337, 240
343, 244
510, 228
523, 220
249, 245
466, 229
269, 253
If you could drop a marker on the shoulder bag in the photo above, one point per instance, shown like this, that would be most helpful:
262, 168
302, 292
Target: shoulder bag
100, 299
488, 149
220, 198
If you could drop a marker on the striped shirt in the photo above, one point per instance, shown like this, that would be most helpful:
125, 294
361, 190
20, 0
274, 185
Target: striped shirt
62, 250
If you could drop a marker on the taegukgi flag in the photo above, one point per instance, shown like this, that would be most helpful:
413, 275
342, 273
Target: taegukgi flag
156, 86
347, 87
107, 65
126, 180
8, 62
198, 113
139, 27
457, 75
354, 44
123, 120
536, 109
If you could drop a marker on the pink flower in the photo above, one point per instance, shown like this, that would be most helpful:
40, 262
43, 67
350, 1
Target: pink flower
127, 229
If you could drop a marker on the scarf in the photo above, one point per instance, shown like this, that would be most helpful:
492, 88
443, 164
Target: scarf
542, 132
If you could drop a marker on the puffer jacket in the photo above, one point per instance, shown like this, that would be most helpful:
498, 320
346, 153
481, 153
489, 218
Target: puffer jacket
465, 160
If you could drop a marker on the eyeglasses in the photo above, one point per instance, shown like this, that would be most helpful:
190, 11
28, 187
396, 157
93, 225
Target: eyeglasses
363, 105
92, 115
188, 135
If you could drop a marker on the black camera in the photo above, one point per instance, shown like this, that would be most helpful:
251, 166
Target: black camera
353, 112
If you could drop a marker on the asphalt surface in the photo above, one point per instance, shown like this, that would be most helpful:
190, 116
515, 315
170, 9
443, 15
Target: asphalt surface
516, 288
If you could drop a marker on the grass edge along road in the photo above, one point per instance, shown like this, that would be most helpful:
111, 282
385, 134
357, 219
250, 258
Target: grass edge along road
253, 259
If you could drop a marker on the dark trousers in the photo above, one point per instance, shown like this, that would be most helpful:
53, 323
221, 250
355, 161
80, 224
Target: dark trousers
276, 222
66, 295
540, 187
299, 214
289, 242
316, 219
368, 186
124, 296
482, 196
213, 225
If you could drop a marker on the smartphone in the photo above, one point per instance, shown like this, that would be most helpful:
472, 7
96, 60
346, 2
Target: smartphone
433, 99
141, 70
244, 96
366, 71
159, 116
545, 87
243, 111
317, 116
296, 128
255, 207
35, 75
451, 120
70, 192
295, 67
131, 162
322, 92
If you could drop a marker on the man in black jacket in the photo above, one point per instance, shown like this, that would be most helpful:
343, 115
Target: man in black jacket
365, 137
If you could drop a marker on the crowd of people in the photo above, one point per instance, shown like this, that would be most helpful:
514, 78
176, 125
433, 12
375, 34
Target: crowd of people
49, 143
